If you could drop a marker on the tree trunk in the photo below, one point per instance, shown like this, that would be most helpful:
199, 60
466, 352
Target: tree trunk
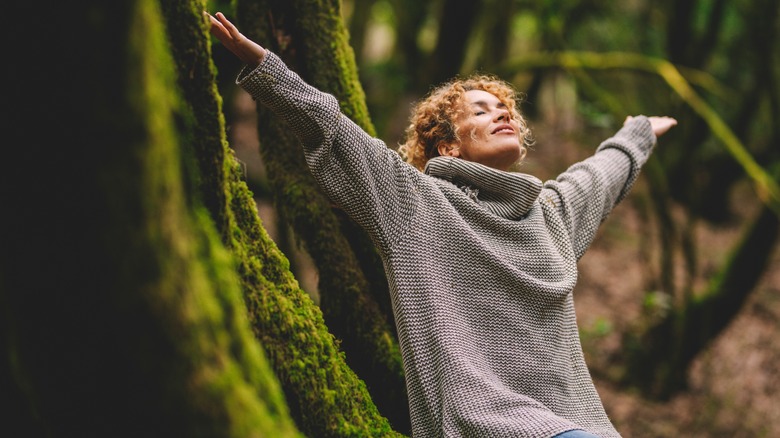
358, 23
497, 28
120, 309
456, 22
326, 398
410, 17
311, 38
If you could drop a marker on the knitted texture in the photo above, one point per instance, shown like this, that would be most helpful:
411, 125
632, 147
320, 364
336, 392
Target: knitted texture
481, 265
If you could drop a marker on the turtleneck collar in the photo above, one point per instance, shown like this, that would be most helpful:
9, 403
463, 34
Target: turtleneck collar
507, 194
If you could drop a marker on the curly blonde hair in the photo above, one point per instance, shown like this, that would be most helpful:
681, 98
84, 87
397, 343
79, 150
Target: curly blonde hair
434, 118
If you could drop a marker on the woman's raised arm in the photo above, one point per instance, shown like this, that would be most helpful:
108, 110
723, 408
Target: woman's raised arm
359, 173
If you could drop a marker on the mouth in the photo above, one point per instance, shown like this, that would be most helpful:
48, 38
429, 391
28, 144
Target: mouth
504, 129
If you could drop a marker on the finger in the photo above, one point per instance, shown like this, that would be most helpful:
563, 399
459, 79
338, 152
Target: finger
213, 21
217, 27
219, 31
229, 26
215, 24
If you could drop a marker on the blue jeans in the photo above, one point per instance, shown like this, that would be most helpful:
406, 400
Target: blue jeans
576, 433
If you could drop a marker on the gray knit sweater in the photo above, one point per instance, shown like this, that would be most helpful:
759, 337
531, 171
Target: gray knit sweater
481, 265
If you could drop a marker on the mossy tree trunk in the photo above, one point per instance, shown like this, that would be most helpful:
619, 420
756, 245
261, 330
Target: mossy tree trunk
325, 397
310, 36
121, 312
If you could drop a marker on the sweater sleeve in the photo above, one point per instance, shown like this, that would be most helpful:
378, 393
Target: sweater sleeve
589, 190
359, 173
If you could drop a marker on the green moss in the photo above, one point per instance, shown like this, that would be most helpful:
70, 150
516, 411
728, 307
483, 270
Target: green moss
317, 38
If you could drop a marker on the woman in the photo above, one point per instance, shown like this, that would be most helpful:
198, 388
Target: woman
481, 262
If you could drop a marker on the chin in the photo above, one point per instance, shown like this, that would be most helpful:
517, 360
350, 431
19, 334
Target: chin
512, 156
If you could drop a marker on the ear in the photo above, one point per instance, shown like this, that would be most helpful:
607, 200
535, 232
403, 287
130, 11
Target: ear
452, 150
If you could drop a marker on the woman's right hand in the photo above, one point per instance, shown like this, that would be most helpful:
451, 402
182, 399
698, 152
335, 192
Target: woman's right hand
248, 51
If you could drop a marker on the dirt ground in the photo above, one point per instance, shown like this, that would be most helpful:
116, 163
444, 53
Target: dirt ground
734, 385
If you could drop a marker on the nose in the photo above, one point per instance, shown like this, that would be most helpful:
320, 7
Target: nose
502, 115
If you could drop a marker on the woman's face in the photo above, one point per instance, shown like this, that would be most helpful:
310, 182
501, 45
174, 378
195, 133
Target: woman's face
487, 132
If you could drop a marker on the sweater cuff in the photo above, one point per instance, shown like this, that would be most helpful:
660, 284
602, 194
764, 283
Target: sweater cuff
636, 139
259, 80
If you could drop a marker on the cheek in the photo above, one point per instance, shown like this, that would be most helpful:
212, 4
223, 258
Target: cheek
476, 134
467, 133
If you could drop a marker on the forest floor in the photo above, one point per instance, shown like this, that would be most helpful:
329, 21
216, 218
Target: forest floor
734, 385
